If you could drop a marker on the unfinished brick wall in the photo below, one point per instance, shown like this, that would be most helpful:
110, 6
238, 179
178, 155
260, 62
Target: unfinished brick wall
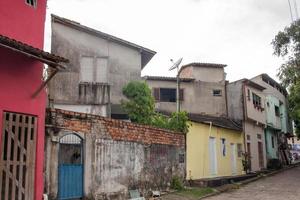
118, 156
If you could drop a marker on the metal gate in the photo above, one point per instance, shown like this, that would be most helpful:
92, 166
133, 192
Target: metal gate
70, 170
17, 162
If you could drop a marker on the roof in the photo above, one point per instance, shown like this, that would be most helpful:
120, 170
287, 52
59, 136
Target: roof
165, 78
273, 82
200, 64
146, 53
222, 122
45, 57
250, 83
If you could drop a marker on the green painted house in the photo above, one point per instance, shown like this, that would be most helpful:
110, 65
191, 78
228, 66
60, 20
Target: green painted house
278, 125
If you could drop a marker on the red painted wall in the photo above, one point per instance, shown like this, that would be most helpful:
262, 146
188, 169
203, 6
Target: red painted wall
20, 77
23, 22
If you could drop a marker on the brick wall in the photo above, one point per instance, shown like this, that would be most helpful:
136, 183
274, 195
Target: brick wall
118, 156
118, 130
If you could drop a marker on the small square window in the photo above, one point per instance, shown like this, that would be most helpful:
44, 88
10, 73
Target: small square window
31, 2
181, 158
259, 136
217, 92
248, 137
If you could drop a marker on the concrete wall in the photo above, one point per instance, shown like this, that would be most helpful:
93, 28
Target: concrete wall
203, 73
118, 155
198, 97
252, 129
271, 152
271, 119
235, 100
198, 151
124, 65
252, 113
286, 124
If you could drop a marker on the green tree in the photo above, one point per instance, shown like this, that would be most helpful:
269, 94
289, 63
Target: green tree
140, 104
140, 108
286, 44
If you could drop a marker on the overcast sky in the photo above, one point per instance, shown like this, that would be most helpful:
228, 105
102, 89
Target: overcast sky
233, 32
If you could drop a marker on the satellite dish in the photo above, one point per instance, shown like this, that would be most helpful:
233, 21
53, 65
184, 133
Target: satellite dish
176, 64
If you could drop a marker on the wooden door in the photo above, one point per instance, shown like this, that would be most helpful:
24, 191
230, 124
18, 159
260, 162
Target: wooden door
17, 162
260, 155
249, 154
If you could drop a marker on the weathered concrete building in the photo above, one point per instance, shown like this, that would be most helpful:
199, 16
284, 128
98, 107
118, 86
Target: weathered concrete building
100, 65
100, 158
246, 102
279, 126
202, 89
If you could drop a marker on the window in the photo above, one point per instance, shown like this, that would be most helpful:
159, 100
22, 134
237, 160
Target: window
240, 150
248, 95
223, 146
31, 2
256, 100
273, 144
167, 94
248, 137
277, 112
259, 136
93, 69
217, 92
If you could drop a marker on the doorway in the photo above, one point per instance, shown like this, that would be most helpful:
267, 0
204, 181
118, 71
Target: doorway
233, 158
70, 168
18, 155
260, 155
212, 156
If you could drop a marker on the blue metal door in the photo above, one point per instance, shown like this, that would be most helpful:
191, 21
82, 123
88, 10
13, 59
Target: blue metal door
70, 181
70, 169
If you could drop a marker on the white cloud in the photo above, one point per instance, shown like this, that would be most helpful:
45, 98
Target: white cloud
234, 32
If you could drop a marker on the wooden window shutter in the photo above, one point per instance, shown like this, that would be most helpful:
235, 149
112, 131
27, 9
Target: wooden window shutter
156, 94
181, 94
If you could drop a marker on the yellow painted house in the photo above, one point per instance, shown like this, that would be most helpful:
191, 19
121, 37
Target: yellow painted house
214, 147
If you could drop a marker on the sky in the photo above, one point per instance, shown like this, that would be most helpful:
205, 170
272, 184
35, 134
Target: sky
237, 33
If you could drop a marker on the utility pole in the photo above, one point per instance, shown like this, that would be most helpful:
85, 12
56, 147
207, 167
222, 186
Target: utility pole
176, 65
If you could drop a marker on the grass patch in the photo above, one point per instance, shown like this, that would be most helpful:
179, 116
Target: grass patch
195, 192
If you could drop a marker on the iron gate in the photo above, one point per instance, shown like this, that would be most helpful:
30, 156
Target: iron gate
70, 170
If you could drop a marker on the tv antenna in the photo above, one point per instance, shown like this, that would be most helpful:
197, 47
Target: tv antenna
176, 66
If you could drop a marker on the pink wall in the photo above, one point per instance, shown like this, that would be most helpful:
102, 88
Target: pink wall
23, 22
20, 77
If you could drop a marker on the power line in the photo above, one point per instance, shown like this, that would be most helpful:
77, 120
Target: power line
296, 9
292, 18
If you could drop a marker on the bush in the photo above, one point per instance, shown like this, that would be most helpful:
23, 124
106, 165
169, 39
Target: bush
176, 183
274, 164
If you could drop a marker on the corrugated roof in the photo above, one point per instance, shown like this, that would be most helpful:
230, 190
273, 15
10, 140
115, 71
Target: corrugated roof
147, 54
200, 64
166, 78
223, 122
13, 44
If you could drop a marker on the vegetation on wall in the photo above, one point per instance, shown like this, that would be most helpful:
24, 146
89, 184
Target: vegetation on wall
286, 44
140, 108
